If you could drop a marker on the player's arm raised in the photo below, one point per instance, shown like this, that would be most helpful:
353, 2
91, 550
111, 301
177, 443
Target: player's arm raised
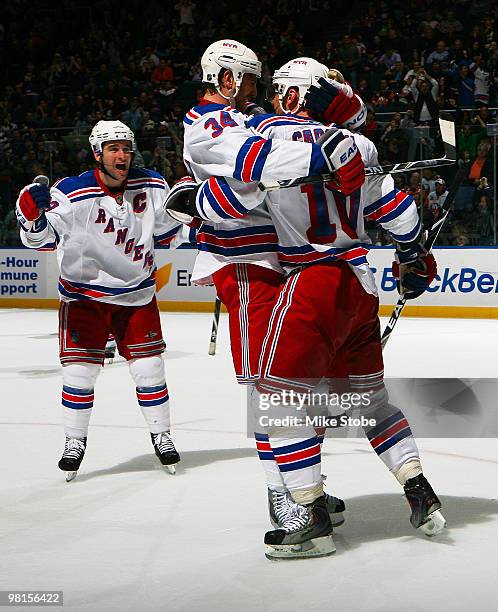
32, 211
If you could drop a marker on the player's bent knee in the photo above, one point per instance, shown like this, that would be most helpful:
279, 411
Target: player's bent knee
80, 375
147, 371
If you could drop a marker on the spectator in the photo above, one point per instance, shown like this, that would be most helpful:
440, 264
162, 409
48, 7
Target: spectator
425, 91
370, 129
467, 140
440, 55
414, 188
450, 25
438, 196
482, 165
162, 72
186, 10
482, 80
349, 59
463, 86
482, 222
389, 58
481, 119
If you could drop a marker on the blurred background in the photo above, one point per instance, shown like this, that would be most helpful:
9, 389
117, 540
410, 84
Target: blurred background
67, 66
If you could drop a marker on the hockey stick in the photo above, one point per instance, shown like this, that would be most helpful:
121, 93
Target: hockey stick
370, 171
214, 329
432, 235
448, 135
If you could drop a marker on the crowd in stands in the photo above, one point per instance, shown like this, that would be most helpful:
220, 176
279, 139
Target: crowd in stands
66, 67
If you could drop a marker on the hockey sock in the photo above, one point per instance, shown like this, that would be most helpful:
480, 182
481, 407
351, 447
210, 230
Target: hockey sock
77, 407
154, 404
77, 397
391, 436
320, 434
298, 456
152, 392
274, 479
392, 439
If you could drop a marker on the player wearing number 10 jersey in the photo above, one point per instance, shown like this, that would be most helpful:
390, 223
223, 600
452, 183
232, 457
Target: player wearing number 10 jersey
325, 320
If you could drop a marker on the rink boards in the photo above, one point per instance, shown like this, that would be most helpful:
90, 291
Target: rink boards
466, 285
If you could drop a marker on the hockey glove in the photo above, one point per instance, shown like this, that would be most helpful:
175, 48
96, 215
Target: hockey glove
180, 202
334, 102
33, 200
343, 158
414, 269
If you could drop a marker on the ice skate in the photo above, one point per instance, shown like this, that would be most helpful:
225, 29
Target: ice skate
425, 506
335, 508
306, 532
165, 450
74, 451
110, 351
281, 505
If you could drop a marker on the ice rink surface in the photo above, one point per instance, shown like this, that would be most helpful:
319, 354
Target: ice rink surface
126, 536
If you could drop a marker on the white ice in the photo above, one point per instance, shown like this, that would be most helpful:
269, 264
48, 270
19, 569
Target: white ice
126, 536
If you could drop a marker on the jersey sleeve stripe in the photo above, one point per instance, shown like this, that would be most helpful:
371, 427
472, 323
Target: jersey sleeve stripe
409, 236
223, 200
277, 121
166, 238
251, 159
317, 161
388, 207
261, 157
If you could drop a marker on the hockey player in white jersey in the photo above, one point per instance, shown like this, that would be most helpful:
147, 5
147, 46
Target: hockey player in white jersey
319, 230
239, 256
104, 224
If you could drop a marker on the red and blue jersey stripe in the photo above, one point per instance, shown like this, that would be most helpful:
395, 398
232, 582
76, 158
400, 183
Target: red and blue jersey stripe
388, 432
165, 239
242, 241
251, 159
262, 123
217, 194
152, 396
85, 291
265, 452
355, 255
409, 236
78, 399
388, 207
297, 456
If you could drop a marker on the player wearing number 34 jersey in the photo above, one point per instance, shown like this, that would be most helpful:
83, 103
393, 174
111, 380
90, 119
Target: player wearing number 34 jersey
324, 322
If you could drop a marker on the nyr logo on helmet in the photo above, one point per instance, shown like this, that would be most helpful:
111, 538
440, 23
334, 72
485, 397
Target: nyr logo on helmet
231, 45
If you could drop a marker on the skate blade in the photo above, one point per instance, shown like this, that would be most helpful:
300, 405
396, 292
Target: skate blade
171, 469
434, 525
70, 476
337, 519
319, 547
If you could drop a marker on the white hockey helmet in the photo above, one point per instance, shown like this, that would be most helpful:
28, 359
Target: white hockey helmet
104, 131
301, 72
231, 55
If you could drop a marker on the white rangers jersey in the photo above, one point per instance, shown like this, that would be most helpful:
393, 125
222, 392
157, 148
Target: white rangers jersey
105, 243
218, 143
317, 223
